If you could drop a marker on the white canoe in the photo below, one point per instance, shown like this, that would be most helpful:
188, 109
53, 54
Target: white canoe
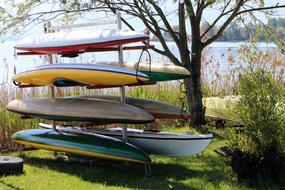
152, 142
73, 42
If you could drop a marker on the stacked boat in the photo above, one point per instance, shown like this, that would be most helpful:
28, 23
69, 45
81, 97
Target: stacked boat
101, 143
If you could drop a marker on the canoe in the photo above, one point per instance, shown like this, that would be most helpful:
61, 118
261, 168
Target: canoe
88, 145
155, 71
78, 74
78, 41
157, 109
80, 109
221, 108
152, 142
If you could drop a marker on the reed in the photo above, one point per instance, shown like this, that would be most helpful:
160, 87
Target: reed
163, 91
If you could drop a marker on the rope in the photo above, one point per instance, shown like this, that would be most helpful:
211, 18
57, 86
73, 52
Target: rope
147, 168
16, 84
138, 63
182, 97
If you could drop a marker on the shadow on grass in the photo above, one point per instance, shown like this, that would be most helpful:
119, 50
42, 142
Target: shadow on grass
164, 176
10, 186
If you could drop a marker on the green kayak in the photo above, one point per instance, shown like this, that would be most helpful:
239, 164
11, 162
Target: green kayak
99, 146
155, 71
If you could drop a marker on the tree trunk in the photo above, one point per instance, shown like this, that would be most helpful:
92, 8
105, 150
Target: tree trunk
193, 86
194, 97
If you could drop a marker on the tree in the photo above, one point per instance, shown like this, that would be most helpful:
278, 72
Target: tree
153, 16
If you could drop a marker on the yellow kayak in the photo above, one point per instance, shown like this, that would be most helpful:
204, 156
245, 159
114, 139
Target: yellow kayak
79, 75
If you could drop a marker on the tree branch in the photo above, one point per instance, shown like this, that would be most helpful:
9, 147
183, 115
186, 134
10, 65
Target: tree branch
190, 10
143, 14
183, 47
166, 23
277, 6
216, 20
226, 23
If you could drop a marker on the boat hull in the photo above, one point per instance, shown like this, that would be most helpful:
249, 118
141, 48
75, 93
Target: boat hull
98, 146
168, 144
80, 109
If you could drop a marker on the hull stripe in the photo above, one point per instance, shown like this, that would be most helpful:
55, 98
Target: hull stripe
77, 151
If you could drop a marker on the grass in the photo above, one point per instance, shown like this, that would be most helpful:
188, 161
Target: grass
206, 170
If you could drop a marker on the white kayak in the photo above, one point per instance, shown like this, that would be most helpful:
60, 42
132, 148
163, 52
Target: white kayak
152, 142
78, 41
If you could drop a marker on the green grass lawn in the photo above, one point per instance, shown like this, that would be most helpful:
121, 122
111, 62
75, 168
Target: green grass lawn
206, 170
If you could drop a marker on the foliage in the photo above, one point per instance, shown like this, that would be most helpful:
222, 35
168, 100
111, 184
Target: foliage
276, 22
235, 33
262, 108
259, 146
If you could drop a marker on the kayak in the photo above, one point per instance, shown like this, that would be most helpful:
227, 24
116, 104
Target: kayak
98, 146
155, 71
78, 75
157, 109
77, 41
80, 109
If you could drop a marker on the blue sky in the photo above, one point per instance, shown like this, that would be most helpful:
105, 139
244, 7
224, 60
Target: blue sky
168, 8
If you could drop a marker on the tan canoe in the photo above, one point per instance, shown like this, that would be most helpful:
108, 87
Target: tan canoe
80, 109
221, 108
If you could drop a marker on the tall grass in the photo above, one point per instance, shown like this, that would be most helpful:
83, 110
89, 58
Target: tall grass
10, 122
163, 91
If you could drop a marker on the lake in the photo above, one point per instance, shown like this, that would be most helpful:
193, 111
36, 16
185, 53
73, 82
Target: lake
223, 54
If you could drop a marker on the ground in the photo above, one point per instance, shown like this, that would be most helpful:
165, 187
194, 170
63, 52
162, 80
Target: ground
207, 170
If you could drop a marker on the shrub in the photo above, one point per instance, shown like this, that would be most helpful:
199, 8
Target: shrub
257, 148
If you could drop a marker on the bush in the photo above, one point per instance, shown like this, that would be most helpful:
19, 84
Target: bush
257, 149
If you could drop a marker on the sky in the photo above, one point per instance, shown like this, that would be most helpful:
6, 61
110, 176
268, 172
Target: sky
168, 7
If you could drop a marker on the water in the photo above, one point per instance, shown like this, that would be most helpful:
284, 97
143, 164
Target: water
223, 54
